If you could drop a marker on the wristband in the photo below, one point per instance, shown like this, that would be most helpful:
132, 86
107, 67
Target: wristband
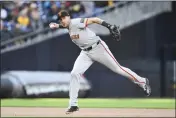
106, 24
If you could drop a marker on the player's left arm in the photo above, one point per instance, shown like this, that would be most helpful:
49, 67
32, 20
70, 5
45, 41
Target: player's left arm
96, 20
115, 32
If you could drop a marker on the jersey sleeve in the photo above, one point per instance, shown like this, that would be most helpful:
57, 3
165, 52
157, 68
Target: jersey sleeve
83, 22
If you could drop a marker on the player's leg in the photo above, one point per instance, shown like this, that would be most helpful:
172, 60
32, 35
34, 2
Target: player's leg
110, 62
82, 63
106, 58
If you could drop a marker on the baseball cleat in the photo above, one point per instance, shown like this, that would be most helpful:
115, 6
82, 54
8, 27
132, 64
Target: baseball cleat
147, 88
72, 109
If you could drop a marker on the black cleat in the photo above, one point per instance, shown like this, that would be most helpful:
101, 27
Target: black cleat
147, 88
72, 109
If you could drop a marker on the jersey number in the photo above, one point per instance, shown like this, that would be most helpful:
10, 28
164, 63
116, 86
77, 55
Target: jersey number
75, 36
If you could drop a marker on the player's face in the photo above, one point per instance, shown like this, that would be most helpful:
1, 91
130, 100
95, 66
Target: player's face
65, 21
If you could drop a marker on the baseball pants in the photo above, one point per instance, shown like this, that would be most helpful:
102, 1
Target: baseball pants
103, 55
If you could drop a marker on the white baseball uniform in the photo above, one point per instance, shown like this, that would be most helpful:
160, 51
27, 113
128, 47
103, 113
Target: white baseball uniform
83, 37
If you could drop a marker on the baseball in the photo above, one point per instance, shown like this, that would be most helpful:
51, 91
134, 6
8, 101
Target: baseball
52, 25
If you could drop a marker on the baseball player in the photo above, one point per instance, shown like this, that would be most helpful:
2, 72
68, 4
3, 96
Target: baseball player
93, 49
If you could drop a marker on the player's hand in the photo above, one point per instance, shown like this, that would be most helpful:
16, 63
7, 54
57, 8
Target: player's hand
53, 25
115, 32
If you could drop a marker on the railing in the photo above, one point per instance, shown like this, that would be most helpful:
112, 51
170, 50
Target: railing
132, 14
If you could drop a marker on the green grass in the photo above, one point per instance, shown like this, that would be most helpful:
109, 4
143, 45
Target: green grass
92, 103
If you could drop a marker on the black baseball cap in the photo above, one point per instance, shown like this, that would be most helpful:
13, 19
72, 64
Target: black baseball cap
63, 13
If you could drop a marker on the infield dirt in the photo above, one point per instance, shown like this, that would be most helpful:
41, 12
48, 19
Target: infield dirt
84, 112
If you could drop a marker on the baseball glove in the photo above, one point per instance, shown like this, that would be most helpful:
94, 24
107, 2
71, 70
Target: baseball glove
115, 32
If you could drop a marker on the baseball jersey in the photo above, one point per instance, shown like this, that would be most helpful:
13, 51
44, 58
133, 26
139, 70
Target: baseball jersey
80, 34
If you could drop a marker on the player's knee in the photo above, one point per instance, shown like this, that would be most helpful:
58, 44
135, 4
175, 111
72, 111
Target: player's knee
74, 73
117, 70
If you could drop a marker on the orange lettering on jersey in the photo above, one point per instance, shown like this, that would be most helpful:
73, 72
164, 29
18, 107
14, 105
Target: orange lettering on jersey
75, 36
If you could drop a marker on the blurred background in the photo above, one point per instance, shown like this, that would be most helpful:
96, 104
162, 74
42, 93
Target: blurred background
36, 61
